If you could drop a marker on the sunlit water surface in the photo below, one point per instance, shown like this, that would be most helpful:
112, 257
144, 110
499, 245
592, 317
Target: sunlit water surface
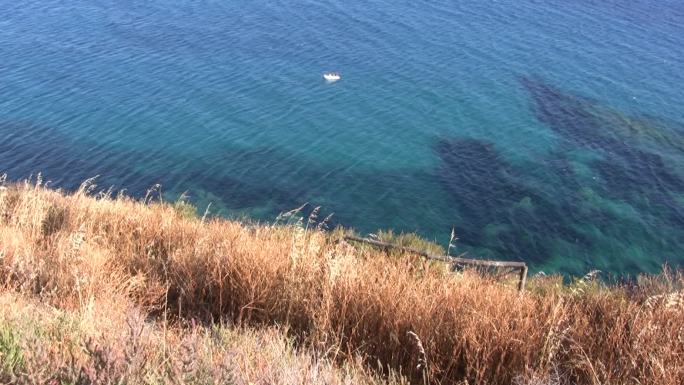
546, 131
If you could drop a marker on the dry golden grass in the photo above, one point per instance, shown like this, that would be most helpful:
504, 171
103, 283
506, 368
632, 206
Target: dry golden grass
43, 345
76, 251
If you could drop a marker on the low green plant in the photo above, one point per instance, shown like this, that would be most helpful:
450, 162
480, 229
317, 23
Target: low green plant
185, 209
410, 240
11, 358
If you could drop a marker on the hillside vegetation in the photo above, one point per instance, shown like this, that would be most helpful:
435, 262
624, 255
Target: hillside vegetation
103, 289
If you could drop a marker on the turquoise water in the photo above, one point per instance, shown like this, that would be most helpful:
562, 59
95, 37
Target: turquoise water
544, 131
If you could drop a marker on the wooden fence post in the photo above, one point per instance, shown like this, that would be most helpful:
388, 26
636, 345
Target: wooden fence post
523, 278
447, 258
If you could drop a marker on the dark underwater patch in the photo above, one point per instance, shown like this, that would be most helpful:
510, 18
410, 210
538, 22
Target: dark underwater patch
627, 166
642, 178
258, 179
473, 172
28, 149
566, 115
588, 123
498, 211
520, 212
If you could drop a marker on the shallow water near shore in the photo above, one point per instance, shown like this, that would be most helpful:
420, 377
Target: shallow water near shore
544, 131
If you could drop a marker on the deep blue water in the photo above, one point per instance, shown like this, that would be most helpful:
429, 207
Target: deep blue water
549, 131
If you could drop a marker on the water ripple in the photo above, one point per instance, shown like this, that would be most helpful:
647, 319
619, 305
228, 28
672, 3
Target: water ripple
430, 127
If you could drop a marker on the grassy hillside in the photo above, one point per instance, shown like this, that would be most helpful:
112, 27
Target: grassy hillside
102, 271
41, 344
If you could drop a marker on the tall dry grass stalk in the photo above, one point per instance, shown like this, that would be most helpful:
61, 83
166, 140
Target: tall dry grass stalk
73, 251
43, 345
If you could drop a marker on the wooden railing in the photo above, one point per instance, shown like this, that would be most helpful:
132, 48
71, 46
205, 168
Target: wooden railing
520, 266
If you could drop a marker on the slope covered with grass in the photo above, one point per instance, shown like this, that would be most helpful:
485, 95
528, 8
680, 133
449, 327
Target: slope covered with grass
83, 254
41, 344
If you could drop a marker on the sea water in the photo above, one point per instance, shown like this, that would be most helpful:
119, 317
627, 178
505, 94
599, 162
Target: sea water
540, 130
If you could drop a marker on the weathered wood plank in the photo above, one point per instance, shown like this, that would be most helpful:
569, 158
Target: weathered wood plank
522, 266
444, 258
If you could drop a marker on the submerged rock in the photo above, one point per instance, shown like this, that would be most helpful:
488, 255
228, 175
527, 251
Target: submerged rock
589, 123
498, 211
629, 168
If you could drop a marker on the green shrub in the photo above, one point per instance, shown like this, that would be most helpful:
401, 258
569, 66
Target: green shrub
11, 358
410, 240
185, 209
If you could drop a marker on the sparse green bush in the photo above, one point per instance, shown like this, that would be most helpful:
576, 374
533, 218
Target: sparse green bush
11, 359
410, 240
185, 209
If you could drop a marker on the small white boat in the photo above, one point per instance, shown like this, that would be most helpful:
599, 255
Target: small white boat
332, 76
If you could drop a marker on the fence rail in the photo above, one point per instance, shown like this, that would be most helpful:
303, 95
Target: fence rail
521, 266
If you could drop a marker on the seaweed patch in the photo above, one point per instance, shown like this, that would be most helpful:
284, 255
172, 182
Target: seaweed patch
541, 213
498, 211
588, 123
29, 149
629, 168
630, 172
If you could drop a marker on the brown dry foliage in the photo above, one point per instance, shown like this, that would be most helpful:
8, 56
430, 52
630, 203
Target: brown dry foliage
40, 344
70, 249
